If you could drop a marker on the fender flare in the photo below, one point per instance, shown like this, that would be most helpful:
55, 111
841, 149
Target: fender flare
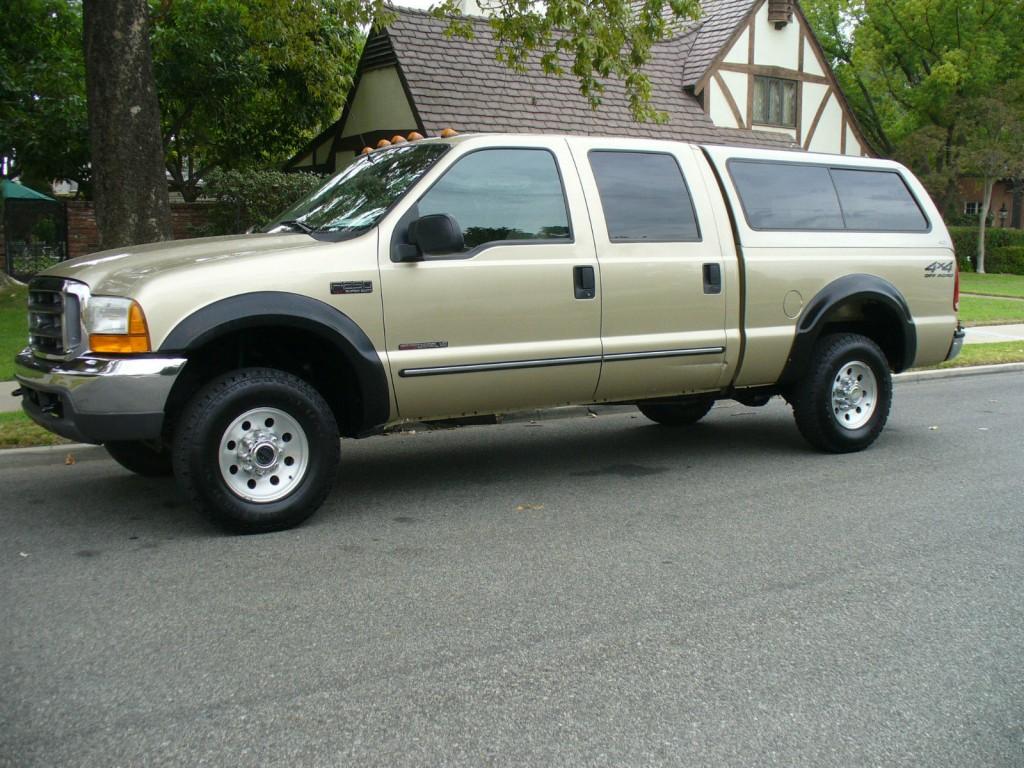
278, 308
846, 289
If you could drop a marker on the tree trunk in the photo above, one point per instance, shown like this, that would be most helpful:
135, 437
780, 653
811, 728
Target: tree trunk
129, 186
986, 202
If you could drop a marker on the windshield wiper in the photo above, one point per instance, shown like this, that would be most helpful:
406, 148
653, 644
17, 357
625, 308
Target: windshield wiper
296, 224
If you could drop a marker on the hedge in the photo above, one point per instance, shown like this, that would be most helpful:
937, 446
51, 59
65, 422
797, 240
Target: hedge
1008, 260
965, 243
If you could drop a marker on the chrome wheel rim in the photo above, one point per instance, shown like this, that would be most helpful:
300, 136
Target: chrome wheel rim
263, 455
854, 394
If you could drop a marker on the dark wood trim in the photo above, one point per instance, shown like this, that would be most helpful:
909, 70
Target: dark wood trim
740, 122
715, 62
800, 53
750, 40
842, 135
817, 117
799, 108
750, 102
780, 72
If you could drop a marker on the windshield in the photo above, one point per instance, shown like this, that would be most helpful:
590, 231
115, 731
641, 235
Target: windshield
359, 196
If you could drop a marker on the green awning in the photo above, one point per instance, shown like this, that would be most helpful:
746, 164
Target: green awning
12, 190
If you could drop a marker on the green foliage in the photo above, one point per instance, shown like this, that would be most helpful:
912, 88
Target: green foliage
13, 327
593, 41
43, 124
247, 83
965, 243
251, 198
1009, 260
916, 73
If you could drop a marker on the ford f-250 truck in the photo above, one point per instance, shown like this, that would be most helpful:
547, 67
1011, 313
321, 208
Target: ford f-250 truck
485, 273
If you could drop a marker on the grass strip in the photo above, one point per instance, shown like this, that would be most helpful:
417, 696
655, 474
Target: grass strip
13, 328
19, 431
992, 285
975, 310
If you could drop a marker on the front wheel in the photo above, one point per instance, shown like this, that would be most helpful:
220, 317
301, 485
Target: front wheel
257, 450
843, 402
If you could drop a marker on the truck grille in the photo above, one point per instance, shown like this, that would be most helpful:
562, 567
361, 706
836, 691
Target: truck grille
54, 317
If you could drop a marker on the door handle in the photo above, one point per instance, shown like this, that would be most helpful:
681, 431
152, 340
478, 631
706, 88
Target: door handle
584, 285
712, 278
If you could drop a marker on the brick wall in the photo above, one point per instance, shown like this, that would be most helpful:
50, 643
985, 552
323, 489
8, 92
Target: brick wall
187, 220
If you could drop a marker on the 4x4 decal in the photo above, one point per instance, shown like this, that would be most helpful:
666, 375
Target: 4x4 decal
939, 269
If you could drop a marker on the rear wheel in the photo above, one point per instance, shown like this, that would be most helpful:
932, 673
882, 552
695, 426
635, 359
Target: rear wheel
257, 450
678, 414
146, 458
843, 402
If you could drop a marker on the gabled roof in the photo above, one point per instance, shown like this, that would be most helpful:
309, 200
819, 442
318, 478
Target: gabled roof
717, 26
457, 82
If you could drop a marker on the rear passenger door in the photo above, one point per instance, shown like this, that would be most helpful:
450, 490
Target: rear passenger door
662, 277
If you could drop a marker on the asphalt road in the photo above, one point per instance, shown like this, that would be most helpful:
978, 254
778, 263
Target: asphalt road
595, 591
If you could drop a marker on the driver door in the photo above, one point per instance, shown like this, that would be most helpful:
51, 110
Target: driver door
502, 324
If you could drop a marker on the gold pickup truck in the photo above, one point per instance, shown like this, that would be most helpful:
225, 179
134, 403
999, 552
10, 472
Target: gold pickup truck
482, 274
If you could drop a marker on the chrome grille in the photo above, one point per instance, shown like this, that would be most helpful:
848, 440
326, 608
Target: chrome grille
54, 317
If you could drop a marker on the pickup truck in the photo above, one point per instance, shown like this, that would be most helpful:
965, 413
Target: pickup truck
481, 274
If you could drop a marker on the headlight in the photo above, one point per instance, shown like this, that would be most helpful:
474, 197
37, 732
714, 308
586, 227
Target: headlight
116, 324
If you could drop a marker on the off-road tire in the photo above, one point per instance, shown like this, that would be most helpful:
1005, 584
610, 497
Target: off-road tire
145, 458
676, 414
815, 408
200, 445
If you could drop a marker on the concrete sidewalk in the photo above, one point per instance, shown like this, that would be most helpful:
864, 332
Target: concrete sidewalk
987, 334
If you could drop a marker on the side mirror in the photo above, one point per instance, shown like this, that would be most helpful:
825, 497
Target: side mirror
434, 233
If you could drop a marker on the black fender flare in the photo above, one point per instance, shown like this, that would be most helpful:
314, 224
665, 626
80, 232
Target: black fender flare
292, 310
846, 289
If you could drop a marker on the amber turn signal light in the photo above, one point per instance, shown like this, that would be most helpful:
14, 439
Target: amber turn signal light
136, 340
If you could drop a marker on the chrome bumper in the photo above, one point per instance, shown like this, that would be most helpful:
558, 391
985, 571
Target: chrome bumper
958, 342
95, 399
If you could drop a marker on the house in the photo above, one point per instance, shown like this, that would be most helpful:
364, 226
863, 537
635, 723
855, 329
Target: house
747, 72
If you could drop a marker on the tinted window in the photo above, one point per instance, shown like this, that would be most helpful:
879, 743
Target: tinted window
502, 194
786, 196
774, 101
644, 197
878, 201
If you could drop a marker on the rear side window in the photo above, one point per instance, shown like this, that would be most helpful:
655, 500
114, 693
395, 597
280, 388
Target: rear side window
877, 201
644, 197
786, 196
781, 196
502, 194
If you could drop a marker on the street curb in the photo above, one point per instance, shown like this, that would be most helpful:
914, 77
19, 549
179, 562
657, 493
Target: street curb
956, 373
87, 452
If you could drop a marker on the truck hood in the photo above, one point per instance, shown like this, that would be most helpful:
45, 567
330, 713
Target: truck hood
120, 271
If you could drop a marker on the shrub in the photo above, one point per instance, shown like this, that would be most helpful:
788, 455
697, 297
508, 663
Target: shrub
1008, 259
965, 243
251, 198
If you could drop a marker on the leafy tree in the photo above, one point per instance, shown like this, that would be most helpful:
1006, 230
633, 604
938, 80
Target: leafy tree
43, 124
914, 70
994, 148
245, 83
249, 198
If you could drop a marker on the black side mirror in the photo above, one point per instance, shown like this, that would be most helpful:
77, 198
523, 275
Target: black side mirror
436, 233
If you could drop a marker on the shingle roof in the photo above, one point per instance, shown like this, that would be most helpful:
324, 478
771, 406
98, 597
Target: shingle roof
720, 19
457, 82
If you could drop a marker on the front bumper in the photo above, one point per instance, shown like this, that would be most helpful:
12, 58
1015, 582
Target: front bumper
958, 342
95, 399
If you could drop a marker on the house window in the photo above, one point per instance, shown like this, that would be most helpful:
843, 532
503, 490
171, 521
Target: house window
972, 209
775, 101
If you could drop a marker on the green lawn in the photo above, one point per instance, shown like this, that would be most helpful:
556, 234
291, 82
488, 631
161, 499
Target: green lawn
18, 431
978, 311
13, 328
992, 285
987, 354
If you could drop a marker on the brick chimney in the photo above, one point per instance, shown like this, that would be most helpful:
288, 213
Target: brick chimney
780, 12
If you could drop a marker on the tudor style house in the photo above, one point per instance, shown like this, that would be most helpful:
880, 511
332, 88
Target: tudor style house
747, 72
